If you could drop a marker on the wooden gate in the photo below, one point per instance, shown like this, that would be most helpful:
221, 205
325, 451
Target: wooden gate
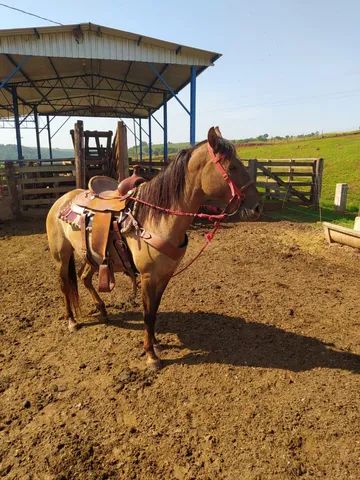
296, 179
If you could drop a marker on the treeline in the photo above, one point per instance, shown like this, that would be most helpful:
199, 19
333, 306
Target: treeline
9, 152
173, 148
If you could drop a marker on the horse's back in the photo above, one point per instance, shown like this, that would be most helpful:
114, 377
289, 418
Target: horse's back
56, 229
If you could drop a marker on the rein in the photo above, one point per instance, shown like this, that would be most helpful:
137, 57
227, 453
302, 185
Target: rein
236, 194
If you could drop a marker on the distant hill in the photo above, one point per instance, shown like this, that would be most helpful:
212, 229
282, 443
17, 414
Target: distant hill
9, 152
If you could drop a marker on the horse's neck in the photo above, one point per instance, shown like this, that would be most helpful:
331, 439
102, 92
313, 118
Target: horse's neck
174, 227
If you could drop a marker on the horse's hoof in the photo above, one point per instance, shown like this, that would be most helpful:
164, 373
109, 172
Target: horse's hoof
153, 364
158, 348
73, 326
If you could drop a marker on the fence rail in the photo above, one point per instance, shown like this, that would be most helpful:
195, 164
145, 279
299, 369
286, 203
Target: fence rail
34, 185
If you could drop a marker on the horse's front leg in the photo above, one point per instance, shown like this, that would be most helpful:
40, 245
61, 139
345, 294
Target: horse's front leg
151, 296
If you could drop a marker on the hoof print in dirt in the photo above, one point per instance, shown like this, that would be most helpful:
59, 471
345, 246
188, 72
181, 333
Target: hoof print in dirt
133, 379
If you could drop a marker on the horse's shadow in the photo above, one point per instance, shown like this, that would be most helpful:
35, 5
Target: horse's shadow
215, 338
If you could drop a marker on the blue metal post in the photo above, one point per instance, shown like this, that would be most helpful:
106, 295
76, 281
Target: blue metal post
17, 122
140, 141
165, 130
36, 119
192, 105
49, 135
150, 140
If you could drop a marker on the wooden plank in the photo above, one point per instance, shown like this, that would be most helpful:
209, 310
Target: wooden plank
59, 179
36, 191
148, 164
284, 163
80, 168
12, 187
284, 184
35, 212
53, 168
37, 201
296, 159
293, 184
287, 174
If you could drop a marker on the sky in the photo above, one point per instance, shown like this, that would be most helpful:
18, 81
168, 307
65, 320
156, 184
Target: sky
288, 66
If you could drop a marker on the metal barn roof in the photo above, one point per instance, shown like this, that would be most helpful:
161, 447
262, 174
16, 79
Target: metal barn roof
91, 70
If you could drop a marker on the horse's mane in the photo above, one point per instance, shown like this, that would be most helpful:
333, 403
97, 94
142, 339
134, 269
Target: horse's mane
167, 187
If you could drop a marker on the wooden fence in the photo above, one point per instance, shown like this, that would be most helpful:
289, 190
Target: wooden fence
33, 185
297, 179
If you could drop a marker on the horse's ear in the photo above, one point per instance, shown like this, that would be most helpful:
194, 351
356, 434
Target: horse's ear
213, 138
217, 131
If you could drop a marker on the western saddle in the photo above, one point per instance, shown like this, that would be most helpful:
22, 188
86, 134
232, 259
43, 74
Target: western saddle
102, 215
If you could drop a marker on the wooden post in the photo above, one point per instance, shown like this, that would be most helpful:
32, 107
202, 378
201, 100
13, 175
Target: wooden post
317, 182
121, 153
341, 197
79, 149
12, 186
252, 169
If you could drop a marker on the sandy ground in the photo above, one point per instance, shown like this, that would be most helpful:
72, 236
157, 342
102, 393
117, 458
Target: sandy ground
261, 365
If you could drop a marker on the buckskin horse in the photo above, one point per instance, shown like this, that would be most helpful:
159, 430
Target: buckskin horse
157, 215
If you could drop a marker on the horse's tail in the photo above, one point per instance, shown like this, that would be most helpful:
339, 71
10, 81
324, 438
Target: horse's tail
73, 288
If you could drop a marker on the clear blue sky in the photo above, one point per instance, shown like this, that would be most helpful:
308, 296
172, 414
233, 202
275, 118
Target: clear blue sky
288, 66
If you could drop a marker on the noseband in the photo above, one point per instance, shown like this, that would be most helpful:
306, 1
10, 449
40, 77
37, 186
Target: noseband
236, 192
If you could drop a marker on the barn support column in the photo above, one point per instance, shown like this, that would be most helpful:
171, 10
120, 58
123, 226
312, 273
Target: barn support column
140, 141
150, 141
49, 135
165, 130
193, 105
191, 112
17, 122
37, 133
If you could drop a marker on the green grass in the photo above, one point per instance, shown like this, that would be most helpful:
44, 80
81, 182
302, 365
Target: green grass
304, 214
341, 156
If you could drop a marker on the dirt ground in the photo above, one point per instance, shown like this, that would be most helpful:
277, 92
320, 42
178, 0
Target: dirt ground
261, 365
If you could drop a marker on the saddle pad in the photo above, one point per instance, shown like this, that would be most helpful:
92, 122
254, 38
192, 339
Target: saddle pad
88, 200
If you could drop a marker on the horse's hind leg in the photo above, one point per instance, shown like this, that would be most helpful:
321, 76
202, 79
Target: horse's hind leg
87, 277
151, 295
68, 285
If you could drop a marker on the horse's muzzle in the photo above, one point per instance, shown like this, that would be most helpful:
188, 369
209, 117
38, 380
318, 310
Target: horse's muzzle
253, 213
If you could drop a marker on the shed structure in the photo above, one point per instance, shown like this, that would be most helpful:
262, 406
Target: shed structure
90, 70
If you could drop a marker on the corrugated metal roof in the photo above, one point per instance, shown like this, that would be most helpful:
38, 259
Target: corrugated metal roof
97, 70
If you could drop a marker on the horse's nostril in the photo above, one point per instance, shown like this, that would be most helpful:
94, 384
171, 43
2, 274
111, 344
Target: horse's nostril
258, 208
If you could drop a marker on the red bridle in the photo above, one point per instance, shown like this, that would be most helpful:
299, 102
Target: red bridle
236, 192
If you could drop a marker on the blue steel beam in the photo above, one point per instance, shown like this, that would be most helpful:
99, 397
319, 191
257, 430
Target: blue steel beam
150, 139
17, 123
157, 121
165, 130
13, 73
142, 128
36, 120
49, 136
164, 82
140, 140
53, 135
192, 105
152, 83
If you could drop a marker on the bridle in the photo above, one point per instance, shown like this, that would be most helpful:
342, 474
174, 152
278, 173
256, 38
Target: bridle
236, 192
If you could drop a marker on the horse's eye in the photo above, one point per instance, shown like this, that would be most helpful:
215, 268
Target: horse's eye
232, 168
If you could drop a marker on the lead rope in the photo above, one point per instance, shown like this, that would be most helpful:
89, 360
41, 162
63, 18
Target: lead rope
208, 237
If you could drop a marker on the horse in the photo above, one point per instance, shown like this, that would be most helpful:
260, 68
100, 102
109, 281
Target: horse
167, 205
